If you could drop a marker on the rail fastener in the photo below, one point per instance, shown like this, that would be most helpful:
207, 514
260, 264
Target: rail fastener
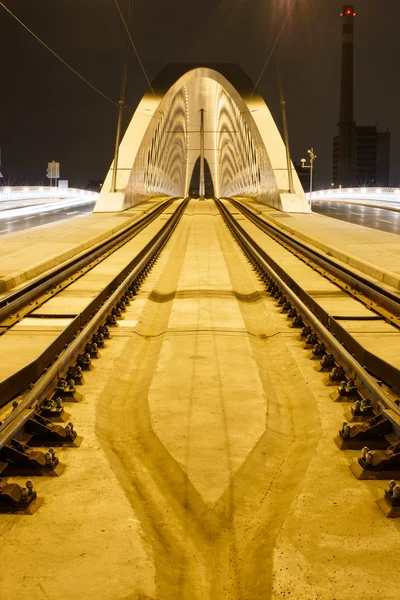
65, 389
53, 409
327, 363
18, 499
346, 389
16, 458
75, 373
361, 410
374, 433
381, 464
39, 431
337, 374
390, 503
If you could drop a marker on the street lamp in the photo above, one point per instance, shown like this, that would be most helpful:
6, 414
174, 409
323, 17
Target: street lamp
311, 167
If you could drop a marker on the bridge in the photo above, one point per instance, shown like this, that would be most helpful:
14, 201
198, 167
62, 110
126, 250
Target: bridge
242, 144
199, 395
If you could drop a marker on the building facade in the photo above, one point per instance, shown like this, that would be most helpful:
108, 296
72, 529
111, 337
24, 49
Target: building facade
369, 161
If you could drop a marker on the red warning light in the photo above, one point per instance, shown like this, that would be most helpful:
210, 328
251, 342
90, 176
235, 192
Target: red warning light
348, 12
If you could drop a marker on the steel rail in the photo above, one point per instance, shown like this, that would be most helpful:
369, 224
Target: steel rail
377, 294
103, 303
366, 383
18, 382
13, 302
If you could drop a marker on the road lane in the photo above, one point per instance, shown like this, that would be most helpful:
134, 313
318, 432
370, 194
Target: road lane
13, 225
374, 218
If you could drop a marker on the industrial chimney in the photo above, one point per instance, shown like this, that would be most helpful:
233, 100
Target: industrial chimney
361, 154
347, 136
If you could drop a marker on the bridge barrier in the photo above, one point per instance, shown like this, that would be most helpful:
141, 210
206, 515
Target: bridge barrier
379, 194
10, 193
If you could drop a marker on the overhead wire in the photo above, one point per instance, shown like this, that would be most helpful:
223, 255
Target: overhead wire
274, 46
133, 46
57, 56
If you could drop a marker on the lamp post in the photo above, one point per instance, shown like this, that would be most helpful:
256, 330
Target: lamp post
202, 183
121, 104
283, 106
311, 167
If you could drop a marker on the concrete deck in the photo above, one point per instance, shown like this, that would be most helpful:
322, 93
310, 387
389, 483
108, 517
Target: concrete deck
208, 469
374, 253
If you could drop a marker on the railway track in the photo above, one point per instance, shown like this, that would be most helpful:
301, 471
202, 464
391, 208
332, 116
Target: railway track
17, 303
382, 304
38, 389
361, 374
208, 429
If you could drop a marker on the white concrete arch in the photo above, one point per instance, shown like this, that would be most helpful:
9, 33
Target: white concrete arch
243, 146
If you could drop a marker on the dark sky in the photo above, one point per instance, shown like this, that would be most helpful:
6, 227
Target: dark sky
47, 113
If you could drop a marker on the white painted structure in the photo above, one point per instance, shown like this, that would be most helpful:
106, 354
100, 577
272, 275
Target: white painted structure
22, 201
243, 147
12, 193
378, 194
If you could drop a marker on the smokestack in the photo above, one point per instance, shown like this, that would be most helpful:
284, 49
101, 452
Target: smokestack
346, 126
346, 89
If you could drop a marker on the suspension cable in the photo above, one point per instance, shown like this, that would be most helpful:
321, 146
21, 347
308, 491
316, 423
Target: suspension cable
133, 45
274, 46
57, 56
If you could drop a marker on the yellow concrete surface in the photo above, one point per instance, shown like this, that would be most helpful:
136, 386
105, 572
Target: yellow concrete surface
208, 428
378, 334
85, 541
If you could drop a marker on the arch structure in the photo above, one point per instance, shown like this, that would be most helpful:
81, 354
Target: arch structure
242, 144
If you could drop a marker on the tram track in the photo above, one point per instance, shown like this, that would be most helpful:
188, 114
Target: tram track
376, 297
365, 372
382, 304
52, 375
22, 302
211, 433
17, 303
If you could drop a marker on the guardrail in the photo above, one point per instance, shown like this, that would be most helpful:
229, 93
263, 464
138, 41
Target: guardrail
358, 193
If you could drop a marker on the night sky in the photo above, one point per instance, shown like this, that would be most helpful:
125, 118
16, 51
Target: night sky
47, 113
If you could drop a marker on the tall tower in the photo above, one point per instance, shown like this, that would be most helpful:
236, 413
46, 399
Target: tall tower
361, 154
346, 143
